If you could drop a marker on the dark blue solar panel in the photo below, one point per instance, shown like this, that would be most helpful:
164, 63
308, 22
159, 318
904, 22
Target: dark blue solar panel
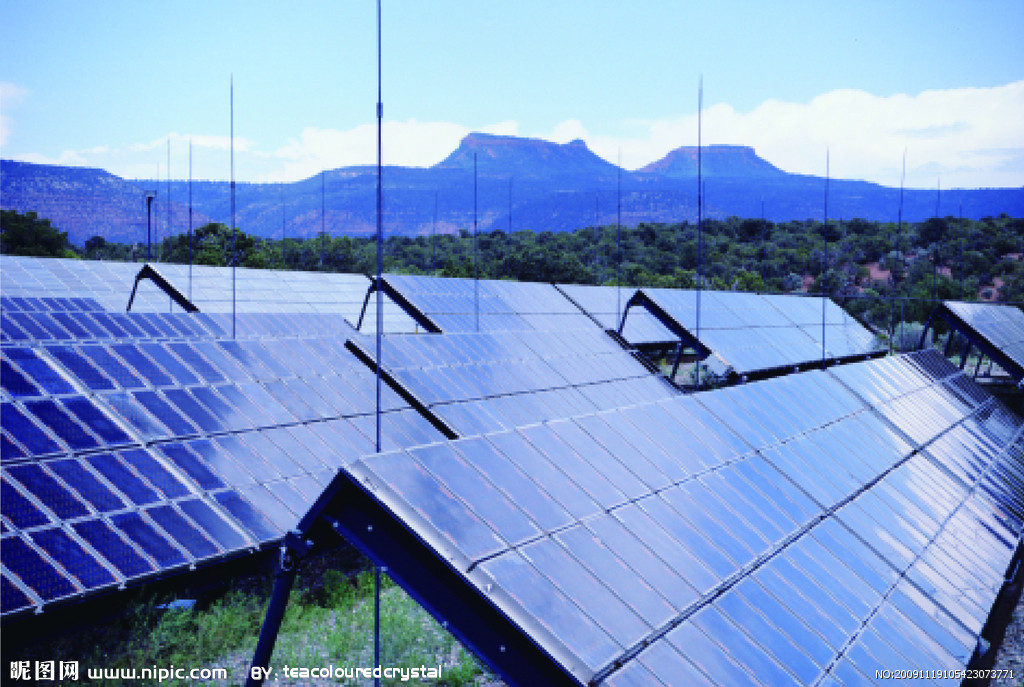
61, 424
9, 450
108, 324
74, 559
148, 539
25, 432
73, 323
192, 465
183, 531
258, 525
118, 474
165, 413
48, 490
200, 416
141, 364
81, 368
16, 383
95, 419
39, 370
26, 324
197, 362
37, 573
157, 475
88, 486
12, 598
51, 326
105, 540
182, 375
213, 524
18, 509
112, 367
129, 409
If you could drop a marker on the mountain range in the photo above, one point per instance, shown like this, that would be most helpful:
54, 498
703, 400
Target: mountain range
521, 183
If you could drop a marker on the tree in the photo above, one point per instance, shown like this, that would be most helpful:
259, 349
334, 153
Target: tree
29, 235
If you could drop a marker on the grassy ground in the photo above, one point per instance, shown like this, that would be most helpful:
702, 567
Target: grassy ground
329, 623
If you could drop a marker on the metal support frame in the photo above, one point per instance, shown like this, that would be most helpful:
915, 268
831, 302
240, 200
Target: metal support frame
643, 300
150, 272
401, 301
975, 338
399, 388
347, 509
294, 549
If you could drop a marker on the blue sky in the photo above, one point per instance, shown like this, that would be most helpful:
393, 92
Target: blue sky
108, 84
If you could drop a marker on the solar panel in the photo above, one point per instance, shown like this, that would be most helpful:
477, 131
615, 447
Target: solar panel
749, 333
998, 330
465, 305
803, 546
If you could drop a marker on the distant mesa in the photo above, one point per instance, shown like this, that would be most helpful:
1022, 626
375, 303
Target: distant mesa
523, 184
716, 161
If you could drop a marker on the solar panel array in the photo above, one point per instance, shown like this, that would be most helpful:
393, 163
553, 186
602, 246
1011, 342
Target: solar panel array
804, 530
749, 333
484, 382
1001, 326
152, 443
606, 304
462, 305
109, 285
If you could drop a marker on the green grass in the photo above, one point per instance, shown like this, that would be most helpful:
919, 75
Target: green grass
328, 622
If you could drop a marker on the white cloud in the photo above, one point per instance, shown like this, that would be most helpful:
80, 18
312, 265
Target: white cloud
410, 143
11, 95
970, 137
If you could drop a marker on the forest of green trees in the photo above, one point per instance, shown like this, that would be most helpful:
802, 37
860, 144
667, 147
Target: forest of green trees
942, 258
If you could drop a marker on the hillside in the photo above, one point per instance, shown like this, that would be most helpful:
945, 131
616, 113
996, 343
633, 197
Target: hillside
547, 186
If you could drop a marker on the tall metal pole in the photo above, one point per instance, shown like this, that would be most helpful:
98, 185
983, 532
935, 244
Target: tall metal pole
700, 228
168, 187
824, 268
476, 269
963, 282
323, 217
597, 238
150, 195
764, 247
284, 225
380, 327
618, 241
433, 237
234, 256
190, 218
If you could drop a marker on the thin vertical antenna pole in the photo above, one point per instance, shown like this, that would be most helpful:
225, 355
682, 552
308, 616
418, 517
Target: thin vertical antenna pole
168, 187
476, 269
433, 237
323, 217
284, 224
190, 219
764, 248
618, 241
700, 228
935, 251
509, 237
963, 283
597, 238
234, 256
380, 327
824, 267
899, 236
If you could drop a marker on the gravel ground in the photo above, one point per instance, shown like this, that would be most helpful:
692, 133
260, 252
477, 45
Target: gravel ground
1011, 652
